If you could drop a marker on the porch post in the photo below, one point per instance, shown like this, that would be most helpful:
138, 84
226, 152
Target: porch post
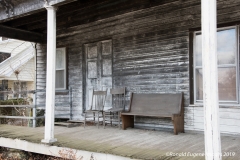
50, 83
210, 81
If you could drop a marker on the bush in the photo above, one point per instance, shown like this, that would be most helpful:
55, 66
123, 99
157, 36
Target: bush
14, 111
40, 122
19, 101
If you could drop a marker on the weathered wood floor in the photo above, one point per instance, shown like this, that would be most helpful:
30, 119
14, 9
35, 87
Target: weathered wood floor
134, 143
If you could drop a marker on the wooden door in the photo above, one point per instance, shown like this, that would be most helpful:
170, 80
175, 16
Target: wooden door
98, 71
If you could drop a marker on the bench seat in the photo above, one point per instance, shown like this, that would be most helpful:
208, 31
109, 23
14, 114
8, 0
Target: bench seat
152, 115
155, 105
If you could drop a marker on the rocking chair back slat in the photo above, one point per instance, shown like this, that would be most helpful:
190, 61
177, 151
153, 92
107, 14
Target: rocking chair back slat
118, 95
118, 106
98, 100
97, 106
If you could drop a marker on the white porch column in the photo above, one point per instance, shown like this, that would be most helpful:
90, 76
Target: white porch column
50, 83
210, 81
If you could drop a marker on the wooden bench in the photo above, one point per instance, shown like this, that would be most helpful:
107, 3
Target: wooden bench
155, 105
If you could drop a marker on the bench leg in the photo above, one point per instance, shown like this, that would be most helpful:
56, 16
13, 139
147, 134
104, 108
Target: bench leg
119, 114
127, 121
103, 113
181, 124
175, 127
175, 121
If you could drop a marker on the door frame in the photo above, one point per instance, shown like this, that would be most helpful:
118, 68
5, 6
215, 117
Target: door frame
84, 69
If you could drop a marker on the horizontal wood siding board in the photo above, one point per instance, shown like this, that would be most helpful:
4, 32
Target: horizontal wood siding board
229, 119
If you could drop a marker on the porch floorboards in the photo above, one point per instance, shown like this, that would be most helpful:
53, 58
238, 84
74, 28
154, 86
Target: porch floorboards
133, 143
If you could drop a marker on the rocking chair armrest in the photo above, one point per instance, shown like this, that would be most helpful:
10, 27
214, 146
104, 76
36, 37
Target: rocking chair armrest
114, 110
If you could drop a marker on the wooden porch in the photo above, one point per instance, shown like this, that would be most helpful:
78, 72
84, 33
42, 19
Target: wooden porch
132, 143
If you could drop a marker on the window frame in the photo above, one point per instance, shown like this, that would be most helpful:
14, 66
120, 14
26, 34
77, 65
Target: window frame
237, 61
65, 68
20, 95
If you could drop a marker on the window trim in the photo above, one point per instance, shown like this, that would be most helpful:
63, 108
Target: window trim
65, 68
237, 61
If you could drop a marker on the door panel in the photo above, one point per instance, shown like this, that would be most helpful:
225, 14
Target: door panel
98, 61
92, 51
107, 48
106, 67
92, 69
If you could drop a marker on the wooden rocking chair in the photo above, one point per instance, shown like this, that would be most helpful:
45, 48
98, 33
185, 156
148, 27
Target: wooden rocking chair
97, 106
118, 106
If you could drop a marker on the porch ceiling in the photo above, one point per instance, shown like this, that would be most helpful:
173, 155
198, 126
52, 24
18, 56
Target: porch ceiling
11, 9
77, 13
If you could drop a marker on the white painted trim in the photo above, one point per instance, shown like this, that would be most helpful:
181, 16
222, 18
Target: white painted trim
54, 150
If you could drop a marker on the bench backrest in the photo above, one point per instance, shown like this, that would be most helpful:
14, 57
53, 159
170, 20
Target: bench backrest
156, 104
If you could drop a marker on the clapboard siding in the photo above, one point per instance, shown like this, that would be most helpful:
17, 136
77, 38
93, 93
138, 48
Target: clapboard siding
41, 84
40, 77
229, 119
150, 52
148, 56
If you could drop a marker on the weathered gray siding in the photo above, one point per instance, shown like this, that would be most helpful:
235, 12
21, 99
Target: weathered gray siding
62, 97
148, 55
40, 72
150, 50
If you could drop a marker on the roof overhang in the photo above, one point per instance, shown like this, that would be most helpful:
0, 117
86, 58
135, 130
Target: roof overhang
12, 9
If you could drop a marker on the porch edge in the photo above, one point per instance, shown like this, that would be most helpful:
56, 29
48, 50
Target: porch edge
55, 151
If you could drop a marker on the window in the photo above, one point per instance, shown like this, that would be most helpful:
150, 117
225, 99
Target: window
20, 86
60, 68
3, 87
227, 51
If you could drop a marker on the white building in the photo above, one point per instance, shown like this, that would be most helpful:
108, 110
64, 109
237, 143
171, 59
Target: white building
19, 67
